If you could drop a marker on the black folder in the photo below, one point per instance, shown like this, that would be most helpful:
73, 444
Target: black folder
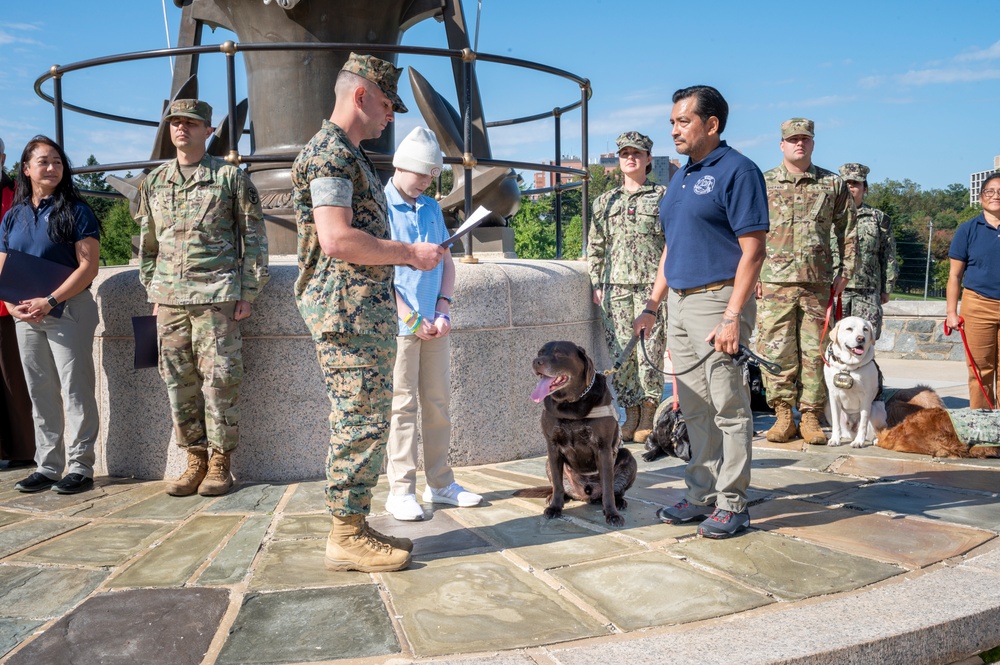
146, 352
25, 276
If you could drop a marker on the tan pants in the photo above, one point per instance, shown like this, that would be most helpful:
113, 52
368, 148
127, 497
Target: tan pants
714, 398
982, 330
422, 376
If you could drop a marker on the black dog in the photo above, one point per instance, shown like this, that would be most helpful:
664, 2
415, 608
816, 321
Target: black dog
586, 461
669, 435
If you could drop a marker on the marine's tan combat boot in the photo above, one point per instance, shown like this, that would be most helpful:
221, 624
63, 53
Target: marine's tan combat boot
399, 543
645, 427
197, 467
218, 480
631, 422
783, 428
810, 430
351, 546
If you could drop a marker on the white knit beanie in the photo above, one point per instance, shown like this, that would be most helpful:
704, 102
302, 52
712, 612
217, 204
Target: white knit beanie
419, 152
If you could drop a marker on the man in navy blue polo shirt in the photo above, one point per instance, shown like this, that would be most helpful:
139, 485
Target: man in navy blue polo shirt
715, 220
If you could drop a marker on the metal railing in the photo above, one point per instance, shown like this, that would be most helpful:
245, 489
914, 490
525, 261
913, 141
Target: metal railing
468, 160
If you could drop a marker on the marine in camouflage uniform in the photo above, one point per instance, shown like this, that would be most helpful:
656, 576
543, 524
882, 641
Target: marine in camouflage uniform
203, 252
623, 254
349, 308
809, 211
876, 272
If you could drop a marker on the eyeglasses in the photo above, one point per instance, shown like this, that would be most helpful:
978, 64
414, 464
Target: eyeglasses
990, 193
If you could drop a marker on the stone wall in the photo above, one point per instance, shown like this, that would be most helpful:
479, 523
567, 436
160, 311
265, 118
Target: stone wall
914, 329
504, 311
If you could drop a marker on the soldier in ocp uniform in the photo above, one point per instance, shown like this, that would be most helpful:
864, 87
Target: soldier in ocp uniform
811, 249
623, 253
344, 292
876, 271
203, 261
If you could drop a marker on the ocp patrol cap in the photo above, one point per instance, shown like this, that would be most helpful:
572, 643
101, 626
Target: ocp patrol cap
190, 108
798, 127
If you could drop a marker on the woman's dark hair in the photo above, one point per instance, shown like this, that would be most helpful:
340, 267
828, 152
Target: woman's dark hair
62, 220
710, 102
992, 176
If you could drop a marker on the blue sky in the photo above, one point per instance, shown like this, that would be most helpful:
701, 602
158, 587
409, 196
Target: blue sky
906, 87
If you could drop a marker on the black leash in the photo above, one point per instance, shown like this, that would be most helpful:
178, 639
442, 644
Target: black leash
744, 355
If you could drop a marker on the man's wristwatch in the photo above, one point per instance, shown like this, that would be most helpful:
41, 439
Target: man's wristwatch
52, 301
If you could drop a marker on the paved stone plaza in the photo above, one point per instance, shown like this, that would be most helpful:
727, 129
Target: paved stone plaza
854, 556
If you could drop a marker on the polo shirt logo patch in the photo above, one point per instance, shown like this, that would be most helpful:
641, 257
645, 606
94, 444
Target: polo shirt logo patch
704, 185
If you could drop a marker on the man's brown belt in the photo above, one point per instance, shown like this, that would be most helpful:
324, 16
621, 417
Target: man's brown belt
714, 286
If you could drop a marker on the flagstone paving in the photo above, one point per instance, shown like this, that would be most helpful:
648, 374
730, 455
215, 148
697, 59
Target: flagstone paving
127, 574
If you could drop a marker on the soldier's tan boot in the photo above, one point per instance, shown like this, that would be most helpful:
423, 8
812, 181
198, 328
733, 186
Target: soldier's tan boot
810, 430
197, 467
351, 546
645, 427
399, 543
783, 428
218, 480
631, 422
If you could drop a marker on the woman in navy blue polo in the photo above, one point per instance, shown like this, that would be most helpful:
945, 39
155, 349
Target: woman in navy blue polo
975, 261
50, 221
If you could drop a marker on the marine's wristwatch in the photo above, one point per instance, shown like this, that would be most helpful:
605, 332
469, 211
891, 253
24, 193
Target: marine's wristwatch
52, 301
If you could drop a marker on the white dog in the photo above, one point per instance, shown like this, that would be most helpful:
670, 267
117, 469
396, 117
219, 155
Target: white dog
852, 382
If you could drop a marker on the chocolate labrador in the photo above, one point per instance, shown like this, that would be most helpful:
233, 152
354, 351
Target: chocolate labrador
586, 461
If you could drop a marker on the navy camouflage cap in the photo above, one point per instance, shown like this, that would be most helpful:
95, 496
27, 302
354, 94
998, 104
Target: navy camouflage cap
798, 127
854, 171
383, 74
635, 140
190, 108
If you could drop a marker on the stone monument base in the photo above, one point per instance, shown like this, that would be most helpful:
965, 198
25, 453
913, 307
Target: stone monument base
504, 311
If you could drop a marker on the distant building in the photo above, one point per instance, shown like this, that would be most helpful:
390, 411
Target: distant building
548, 179
664, 169
976, 181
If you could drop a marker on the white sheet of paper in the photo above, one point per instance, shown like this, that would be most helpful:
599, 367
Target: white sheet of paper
474, 220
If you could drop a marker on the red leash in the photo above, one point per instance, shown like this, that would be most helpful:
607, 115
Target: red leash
826, 323
968, 354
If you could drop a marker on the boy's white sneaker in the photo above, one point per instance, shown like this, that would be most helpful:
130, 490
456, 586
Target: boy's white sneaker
454, 495
404, 507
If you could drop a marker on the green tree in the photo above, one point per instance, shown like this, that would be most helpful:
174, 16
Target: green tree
447, 182
534, 230
116, 234
95, 182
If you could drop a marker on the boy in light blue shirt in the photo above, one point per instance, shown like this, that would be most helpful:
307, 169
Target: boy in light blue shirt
422, 374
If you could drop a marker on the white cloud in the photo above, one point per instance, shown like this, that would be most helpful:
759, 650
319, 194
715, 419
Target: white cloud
755, 141
10, 33
946, 75
975, 55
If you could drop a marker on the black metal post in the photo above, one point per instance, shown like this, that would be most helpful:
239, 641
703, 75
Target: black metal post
468, 160
58, 104
229, 48
584, 157
558, 210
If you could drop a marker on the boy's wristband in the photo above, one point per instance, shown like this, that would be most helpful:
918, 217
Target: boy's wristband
441, 296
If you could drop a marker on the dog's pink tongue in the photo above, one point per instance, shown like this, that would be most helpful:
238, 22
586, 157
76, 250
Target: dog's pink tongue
858, 351
542, 389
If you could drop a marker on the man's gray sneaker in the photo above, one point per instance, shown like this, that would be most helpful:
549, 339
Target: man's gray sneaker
724, 523
682, 512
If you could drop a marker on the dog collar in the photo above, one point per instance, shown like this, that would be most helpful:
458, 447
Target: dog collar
584, 393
